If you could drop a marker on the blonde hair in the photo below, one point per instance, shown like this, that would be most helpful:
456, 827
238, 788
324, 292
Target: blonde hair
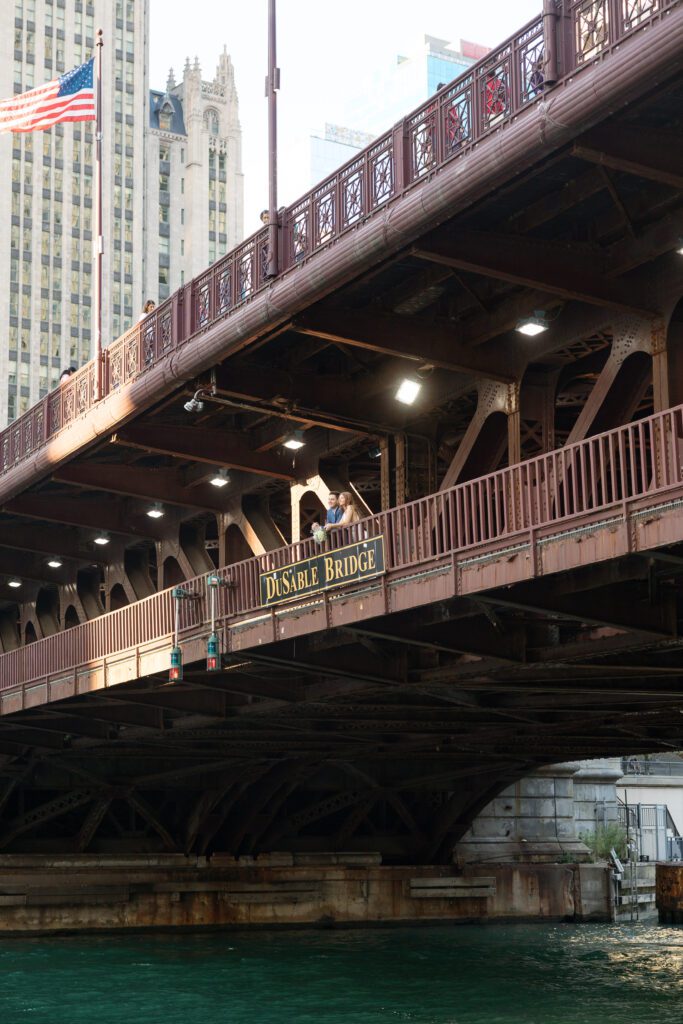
348, 504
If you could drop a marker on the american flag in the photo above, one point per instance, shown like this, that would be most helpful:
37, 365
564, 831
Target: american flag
70, 97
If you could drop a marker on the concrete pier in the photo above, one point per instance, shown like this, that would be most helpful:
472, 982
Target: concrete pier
669, 898
43, 895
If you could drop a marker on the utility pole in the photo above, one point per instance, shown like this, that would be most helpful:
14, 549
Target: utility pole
272, 85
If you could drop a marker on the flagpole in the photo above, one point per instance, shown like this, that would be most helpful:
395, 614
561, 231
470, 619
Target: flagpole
99, 239
272, 85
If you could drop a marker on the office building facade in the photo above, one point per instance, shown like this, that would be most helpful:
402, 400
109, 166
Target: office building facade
47, 190
47, 215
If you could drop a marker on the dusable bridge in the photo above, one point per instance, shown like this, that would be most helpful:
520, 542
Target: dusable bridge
522, 602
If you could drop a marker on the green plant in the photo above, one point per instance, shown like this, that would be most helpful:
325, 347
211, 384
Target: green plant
604, 839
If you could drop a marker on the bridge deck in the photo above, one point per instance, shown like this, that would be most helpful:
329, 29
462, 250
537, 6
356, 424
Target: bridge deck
506, 90
615, 494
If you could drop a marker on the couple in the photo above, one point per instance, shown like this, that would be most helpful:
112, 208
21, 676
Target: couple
340, 512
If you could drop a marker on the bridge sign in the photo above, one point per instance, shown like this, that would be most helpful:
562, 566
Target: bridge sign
361, 561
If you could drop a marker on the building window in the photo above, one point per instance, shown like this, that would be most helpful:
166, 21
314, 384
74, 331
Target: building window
211, 121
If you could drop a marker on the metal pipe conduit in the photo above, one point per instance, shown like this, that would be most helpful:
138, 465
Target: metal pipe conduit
620, 76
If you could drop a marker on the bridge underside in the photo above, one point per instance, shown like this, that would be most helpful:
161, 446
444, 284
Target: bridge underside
388, 737
391, 733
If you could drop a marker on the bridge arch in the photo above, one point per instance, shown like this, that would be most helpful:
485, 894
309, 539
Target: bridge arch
47, 610
71, 618
236, 547
118, 597
10, 631
673, 343
172, 574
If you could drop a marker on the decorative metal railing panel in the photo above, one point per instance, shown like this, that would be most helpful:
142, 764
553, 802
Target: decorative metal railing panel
500, 86
594, 478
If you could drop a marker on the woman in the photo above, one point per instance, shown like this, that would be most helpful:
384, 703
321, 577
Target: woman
349, 512
148, 307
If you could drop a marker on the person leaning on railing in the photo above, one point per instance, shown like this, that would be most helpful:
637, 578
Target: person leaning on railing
148, 308
334, 514
349, 516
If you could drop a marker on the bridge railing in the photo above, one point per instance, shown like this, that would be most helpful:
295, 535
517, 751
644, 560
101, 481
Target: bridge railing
569, 36
596, 476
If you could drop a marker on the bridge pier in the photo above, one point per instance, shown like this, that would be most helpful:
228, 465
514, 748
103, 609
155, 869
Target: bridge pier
42, 895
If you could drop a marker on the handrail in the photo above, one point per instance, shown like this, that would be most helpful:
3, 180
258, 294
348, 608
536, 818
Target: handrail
595, 476
497, 88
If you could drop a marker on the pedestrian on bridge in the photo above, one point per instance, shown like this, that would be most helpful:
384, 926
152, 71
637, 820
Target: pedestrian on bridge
148, 307
334, 514
349, 516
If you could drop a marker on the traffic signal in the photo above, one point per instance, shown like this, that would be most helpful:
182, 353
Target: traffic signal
213, 658
175, 673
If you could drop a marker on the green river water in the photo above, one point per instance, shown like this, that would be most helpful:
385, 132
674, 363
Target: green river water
522, 974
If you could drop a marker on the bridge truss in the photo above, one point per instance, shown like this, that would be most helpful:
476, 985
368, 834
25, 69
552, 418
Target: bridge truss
529, 501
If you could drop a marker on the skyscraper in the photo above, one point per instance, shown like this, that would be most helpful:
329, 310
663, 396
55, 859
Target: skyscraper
391, 93
194, 166
171, 186
413, 78
47, 192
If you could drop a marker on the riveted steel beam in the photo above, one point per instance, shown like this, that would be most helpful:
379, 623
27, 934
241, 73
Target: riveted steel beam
640, 150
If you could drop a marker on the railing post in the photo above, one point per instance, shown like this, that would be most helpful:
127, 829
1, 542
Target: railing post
566, 39
616, 21
185, 314
401, 154
551, 23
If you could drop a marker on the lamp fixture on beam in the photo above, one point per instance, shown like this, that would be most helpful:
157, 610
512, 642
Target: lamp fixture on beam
533, 325
220, 479
101, 539
54, 563
15, 584
156, 511
408, 390
295, 441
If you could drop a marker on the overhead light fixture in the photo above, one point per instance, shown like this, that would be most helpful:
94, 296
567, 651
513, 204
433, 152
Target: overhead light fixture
54, 563
295, 441
101, 539
14, 583
156, 511
195, 404
220, 479
408, 390
374, 453
679, 247
533, 325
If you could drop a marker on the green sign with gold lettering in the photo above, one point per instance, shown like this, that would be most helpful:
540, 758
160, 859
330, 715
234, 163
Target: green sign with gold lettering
361, 561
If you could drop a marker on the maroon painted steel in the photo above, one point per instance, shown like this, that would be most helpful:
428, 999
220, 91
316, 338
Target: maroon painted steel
493, 93
641, 459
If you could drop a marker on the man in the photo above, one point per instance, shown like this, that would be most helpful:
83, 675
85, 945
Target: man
334, 511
